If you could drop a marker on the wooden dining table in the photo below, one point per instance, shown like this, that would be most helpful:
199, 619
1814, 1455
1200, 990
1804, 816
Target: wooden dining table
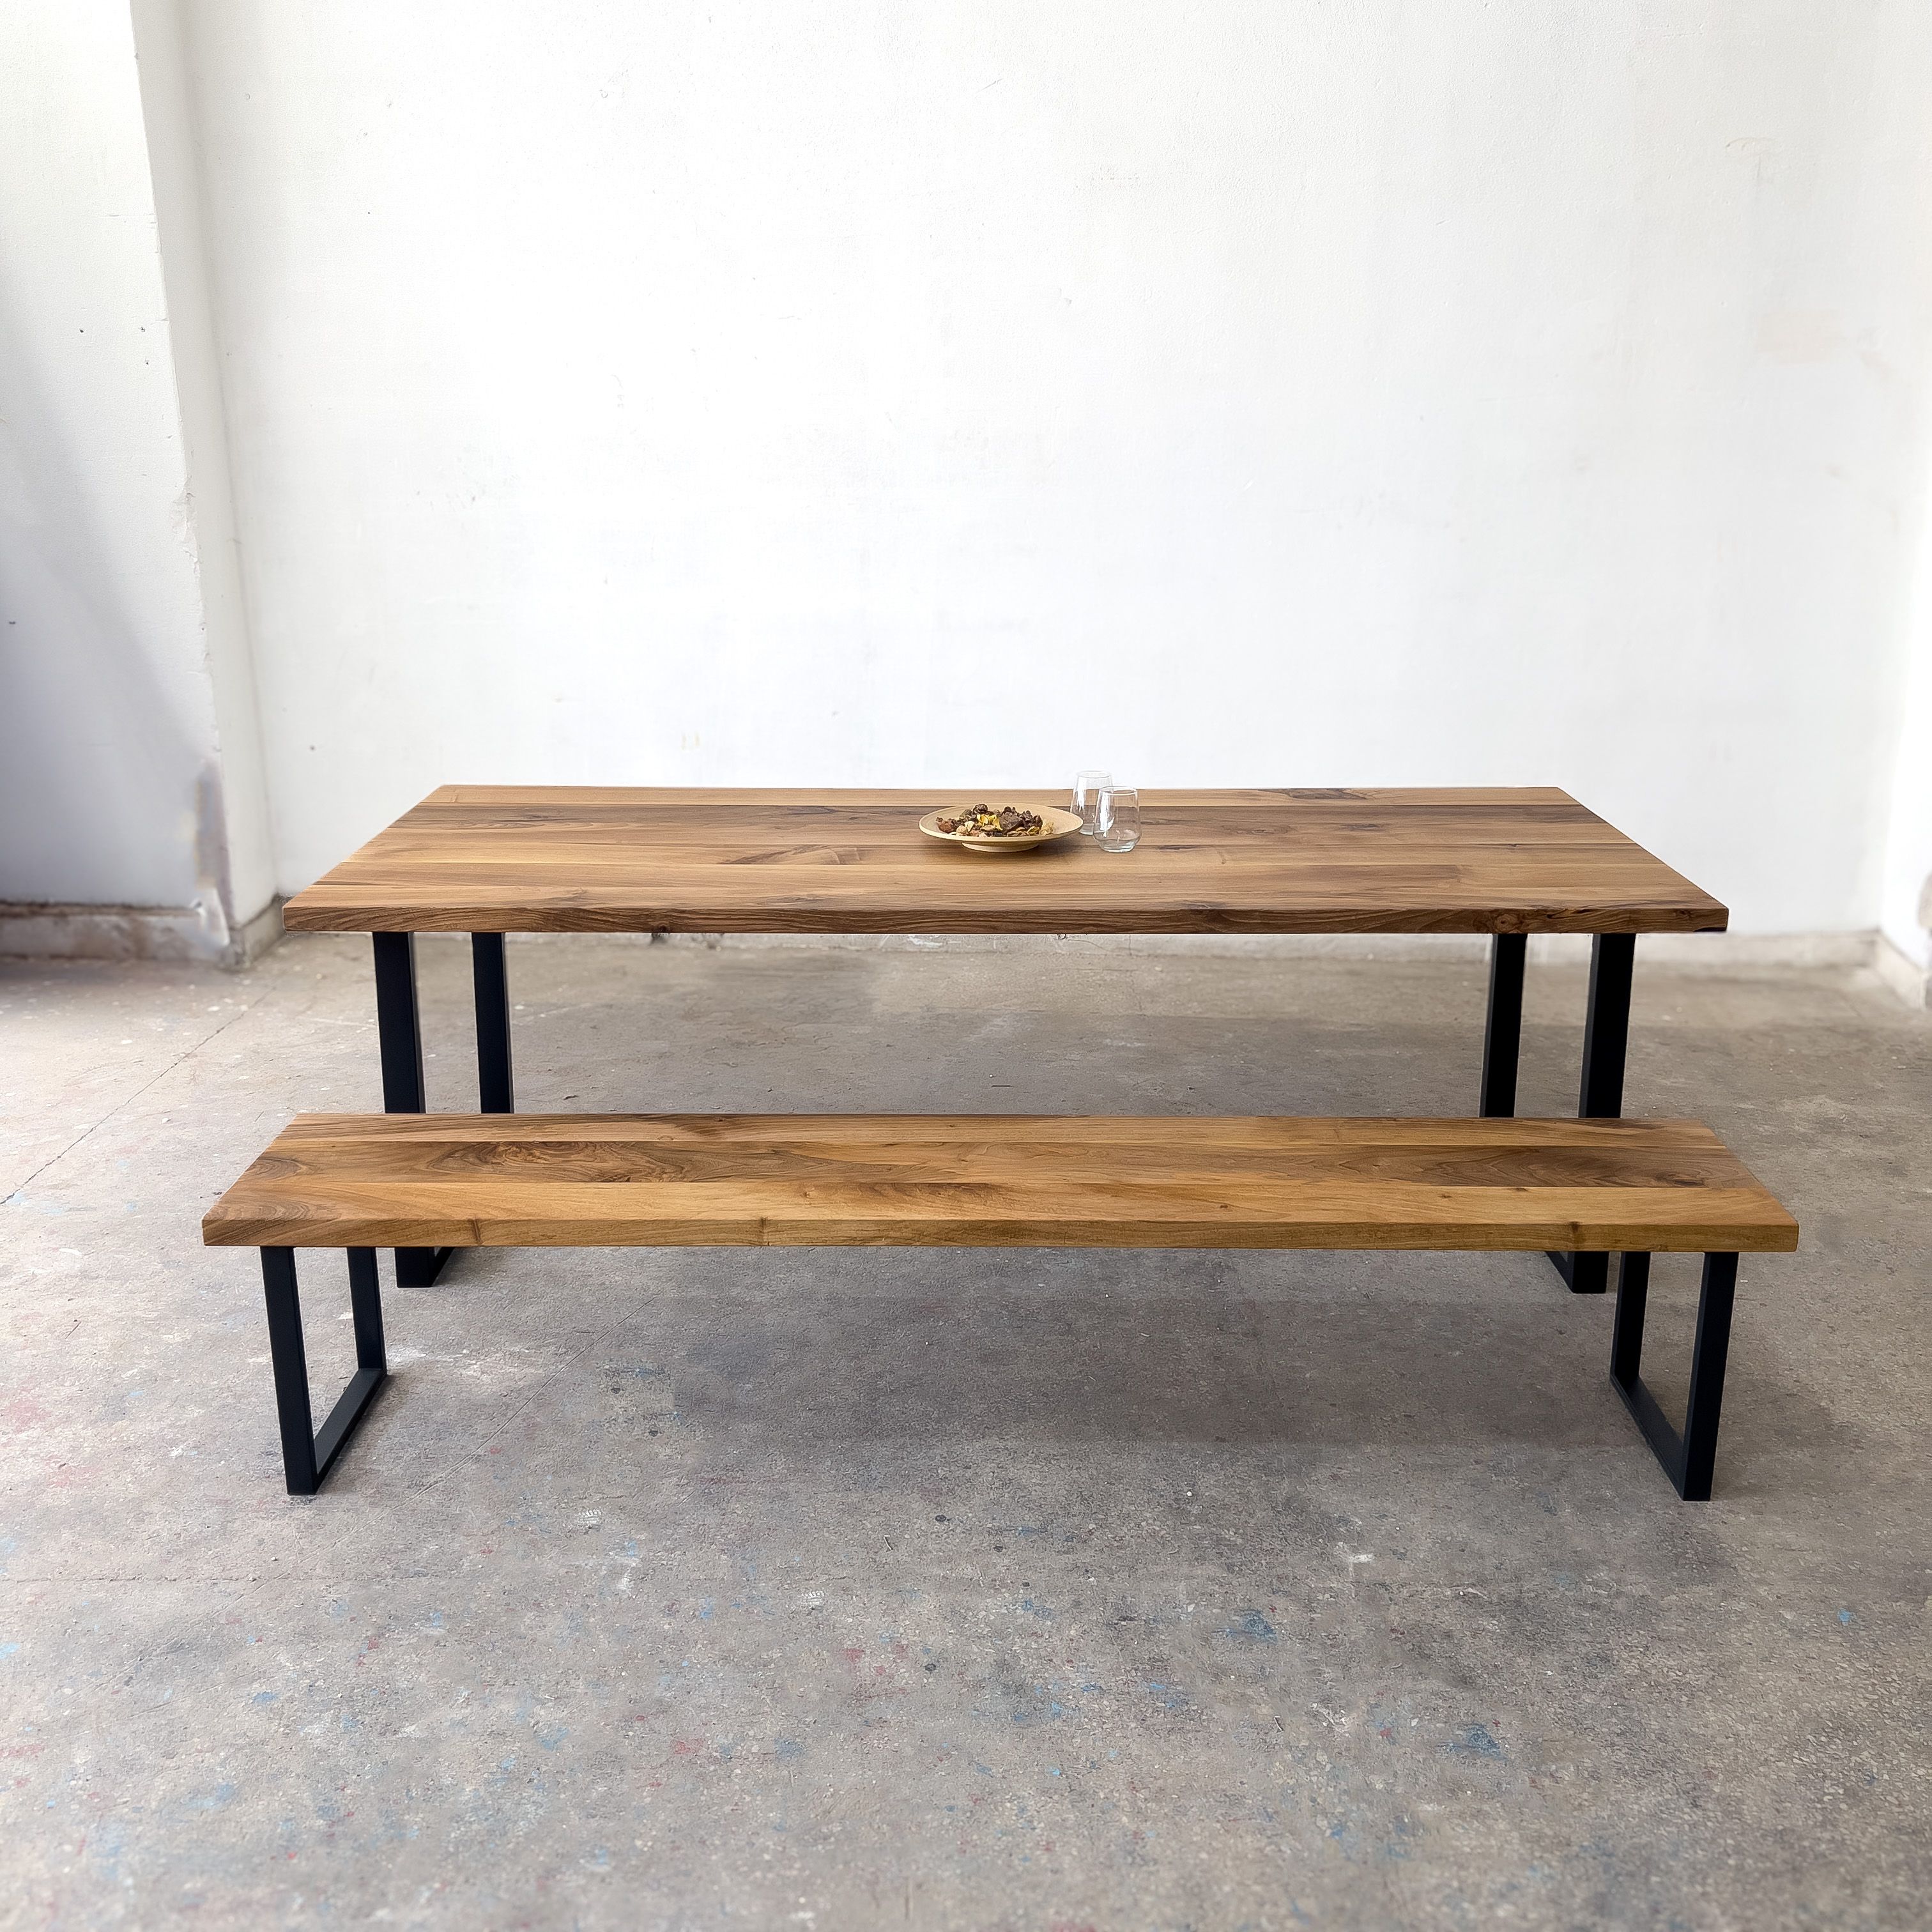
1508, 862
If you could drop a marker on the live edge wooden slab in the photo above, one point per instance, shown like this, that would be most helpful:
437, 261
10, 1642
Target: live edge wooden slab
989, 1180
605, 858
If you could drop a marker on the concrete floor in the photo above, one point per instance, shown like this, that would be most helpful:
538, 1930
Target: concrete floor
1001, 1590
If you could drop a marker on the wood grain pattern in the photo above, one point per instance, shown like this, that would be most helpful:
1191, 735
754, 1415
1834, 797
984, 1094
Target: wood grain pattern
616, 1180
546, 858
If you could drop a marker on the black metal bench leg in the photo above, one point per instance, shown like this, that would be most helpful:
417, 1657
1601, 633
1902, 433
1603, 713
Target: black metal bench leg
492, 1023
1502, 1031
1606, 1040
399, 1029
307, 1456
1689, 1458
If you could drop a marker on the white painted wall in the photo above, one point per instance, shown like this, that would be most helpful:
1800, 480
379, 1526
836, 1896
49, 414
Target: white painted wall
1240, 392
112, 784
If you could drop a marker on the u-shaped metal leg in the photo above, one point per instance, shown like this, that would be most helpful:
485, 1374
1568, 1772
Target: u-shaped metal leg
399, 1034
308, 1456
1690, 1457
1606, 1041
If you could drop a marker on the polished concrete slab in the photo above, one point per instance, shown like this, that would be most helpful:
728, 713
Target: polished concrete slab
955, 1588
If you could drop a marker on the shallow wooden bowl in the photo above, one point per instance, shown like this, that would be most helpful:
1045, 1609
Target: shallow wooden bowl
1059, 823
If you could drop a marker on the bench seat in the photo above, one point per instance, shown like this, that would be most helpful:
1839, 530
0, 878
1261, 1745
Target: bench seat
987, 1180
438, 1181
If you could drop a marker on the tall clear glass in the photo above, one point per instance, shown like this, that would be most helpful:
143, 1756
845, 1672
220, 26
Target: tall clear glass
1116, 823
1087, 790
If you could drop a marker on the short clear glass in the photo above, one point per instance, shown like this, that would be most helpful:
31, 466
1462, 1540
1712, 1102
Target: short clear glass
1087, 790
1117, 820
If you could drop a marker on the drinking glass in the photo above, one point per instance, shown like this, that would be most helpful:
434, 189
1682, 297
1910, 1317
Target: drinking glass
1087, 790
1116, 823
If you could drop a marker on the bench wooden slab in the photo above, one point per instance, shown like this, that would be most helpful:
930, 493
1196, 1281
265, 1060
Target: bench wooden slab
989, 1180
360, 1182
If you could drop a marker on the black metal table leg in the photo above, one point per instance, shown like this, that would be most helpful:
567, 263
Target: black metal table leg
1689, 1458
1607, 1026
1606, 1038
1502, 1032
493, 1022
308, 1454
399, 1028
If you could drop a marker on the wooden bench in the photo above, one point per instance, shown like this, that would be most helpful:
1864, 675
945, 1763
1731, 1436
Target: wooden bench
442, 1180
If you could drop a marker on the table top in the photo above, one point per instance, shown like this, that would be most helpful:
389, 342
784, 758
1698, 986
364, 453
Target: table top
614, 859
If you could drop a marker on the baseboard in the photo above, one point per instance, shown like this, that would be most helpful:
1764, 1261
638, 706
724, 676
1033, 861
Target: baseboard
197, 934
185, 933
1910, 981
1715, 952
253, 937
1734, 952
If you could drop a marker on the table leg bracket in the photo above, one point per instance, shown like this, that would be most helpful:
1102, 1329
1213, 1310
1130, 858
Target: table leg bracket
1582, 1274
419, 1267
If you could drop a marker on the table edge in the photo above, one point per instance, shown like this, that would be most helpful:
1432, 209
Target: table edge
299, 916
